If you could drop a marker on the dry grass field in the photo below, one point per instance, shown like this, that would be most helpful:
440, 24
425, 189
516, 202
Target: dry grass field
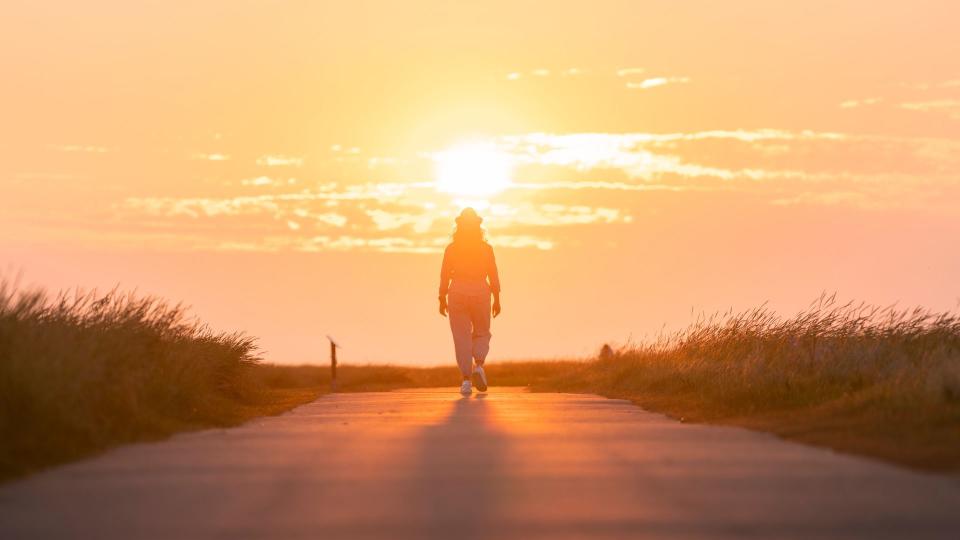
882, 382
82, 372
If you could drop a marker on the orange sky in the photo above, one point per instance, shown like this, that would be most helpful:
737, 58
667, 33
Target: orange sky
275, 164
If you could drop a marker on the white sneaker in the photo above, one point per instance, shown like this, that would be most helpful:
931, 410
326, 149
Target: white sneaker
479, 378
465, 388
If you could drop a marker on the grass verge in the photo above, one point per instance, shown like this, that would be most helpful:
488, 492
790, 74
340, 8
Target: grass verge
879, 382
84, 372
80, 373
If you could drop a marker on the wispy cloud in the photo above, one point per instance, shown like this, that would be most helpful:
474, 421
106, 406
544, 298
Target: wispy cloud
330, 243
86, 148
927, 97
656, 81
854, 103
796, 167
642, 156
832, 198
211, 157
948, 107
601, 185
630, 71
545, 72
387, 221
523, 241
409, 213
563, 186
267, 181
552, 215
341, 149
951, 83
279, 161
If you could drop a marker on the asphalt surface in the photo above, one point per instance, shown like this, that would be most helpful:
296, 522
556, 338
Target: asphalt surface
508, 465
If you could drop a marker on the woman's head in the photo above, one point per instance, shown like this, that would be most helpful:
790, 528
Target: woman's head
468, 227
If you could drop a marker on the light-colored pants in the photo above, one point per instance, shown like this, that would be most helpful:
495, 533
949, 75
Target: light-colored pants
470, 325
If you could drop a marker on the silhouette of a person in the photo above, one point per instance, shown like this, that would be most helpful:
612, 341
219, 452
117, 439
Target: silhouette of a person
468, 277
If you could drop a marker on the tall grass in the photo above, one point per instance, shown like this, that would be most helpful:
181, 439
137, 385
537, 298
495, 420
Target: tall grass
883, 381
80, 372
83, 371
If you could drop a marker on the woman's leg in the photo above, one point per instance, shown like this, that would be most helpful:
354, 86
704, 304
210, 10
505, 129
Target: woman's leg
480, 316
458, 311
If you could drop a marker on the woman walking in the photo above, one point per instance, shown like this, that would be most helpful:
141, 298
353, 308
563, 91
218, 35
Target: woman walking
468, 277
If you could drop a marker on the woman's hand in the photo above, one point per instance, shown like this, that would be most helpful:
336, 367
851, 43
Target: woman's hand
443, 306
496, 305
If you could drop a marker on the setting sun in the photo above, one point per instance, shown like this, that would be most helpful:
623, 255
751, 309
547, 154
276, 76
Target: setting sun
473, 169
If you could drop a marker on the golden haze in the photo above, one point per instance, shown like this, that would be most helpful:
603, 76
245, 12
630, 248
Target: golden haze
286, 167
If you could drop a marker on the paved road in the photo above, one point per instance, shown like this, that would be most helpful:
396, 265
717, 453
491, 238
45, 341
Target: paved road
511, 465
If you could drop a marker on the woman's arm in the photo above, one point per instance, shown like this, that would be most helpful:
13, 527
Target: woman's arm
444, 281
494, 277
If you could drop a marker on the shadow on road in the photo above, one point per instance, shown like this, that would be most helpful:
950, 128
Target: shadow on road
463, 482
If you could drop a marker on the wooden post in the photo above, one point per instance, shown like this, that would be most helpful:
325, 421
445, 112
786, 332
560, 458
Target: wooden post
333, 364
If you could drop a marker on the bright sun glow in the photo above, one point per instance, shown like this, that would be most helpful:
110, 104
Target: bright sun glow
473, 170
